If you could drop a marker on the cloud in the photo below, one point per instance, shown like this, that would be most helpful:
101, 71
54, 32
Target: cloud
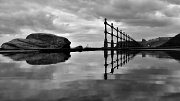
130, 12
136, 13
12, 24
82, 20
172, 1
172, 11
25, 15
151, 21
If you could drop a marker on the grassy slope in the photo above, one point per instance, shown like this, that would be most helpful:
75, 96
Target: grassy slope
173, 42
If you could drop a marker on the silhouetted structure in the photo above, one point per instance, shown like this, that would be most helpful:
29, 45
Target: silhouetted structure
173, 42
122, 39
174, 54
118, 58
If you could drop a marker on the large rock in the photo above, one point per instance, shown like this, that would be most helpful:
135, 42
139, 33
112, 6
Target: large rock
38, 41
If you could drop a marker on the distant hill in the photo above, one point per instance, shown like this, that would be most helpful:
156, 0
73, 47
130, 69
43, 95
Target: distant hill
155, 42
173, 42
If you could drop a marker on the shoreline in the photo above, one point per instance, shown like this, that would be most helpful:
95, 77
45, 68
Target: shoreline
85, 49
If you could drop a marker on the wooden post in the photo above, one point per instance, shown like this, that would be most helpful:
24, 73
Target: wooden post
112, 43
126, 56
117, 58
121, 57
105, 72
105, 33
121, 38
132, 42
117, 45
129, 41
112, 60
124, 39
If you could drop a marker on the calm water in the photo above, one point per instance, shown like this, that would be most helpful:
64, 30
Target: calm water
90, 76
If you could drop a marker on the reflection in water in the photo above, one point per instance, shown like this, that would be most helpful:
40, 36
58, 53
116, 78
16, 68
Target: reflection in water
121, 58
156, 54
156, 77
162, 54
149, 76
39, 58
174, 54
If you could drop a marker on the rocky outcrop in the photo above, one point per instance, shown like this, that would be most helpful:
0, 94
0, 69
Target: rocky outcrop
38, 41
78, 47
23, 44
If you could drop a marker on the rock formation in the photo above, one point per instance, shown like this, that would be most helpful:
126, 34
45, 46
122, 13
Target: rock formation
38, 41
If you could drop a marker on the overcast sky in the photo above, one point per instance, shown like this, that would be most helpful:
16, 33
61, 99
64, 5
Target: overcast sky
81, 21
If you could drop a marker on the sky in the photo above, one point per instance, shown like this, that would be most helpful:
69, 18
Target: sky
82, 21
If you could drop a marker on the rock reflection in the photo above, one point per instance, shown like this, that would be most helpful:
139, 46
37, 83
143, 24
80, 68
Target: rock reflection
150, 82
39, 58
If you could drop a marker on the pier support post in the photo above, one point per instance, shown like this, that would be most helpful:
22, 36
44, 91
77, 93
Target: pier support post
117, 45
112, 42
105, 34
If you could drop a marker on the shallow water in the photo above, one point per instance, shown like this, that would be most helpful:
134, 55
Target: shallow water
91, 76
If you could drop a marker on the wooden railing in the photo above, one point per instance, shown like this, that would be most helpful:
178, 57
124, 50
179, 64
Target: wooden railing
118, 59
123, 40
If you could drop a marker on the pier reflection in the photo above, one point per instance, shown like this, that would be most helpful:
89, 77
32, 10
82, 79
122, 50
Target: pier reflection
115, 59
145, 76
118, 58
162, 54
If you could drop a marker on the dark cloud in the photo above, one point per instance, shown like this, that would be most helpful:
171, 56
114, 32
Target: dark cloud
172, 1
12, 24
17, 15
152, 32
150, 22
76, 16
135, 13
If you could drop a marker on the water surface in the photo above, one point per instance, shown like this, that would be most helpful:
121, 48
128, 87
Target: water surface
90, 76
